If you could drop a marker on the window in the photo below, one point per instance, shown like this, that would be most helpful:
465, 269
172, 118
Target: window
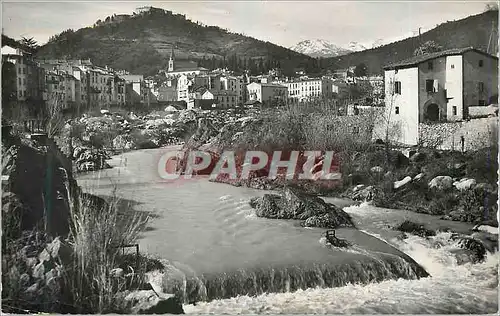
454, 110
430, 66
397, 110
480, 86
452, 66
482, 102
480, 63
397, 87
431, 85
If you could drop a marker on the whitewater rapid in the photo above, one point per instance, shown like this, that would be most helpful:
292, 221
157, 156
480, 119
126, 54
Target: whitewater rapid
209, 228
453, 288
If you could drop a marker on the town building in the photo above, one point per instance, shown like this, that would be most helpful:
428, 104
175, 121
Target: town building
306, 89
178, 68
268, 94
27, 78
437, 87
346, 74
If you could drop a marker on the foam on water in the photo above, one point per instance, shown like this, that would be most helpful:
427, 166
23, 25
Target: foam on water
452, 288
275, 256
469, 288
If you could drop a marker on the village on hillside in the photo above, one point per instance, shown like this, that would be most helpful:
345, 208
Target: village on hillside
92, 223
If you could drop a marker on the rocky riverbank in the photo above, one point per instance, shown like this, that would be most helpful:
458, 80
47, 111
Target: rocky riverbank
92, 139
50, 259
458, 186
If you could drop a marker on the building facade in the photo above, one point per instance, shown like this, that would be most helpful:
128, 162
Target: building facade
27, 74
437, 87
306, 89
267, 93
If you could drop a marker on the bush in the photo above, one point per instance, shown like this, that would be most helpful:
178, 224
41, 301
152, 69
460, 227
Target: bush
96, 235
483, 165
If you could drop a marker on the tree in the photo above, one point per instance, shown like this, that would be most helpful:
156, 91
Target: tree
30, 43
54, 114
427, 48
361, 70
493, 6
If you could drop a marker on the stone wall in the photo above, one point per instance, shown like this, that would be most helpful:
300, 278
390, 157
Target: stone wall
481, 111
476, 133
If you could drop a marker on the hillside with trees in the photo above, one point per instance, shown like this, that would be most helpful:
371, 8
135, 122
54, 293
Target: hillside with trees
479, 31
141, 43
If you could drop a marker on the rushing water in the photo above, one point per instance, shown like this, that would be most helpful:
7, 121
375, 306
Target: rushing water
218, 249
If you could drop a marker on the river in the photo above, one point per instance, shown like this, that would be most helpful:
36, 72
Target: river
222, 253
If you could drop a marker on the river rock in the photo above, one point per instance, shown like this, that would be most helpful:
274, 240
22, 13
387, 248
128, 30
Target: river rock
441, 183
328, 220
476, 251
418, 176
464, 184
418, 157
148, 302
365, 194
292, 204
489, 240
401, 183
415, 229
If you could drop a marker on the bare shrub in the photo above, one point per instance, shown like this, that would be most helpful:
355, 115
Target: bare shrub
96, 236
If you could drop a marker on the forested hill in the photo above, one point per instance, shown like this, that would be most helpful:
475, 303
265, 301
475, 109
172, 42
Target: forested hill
471, 31
141, 43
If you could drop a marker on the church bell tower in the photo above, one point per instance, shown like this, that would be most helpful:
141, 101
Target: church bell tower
171, 61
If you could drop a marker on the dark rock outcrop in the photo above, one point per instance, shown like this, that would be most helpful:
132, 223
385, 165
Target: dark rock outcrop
415, 229
291, 204
471, 250
44, 185
149, 302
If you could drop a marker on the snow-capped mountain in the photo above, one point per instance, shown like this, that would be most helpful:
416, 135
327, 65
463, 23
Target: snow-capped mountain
356, 46
319, 48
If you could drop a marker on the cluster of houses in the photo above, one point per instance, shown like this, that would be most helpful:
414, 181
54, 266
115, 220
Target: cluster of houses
77, 84
200, 88
81, 85
445, 86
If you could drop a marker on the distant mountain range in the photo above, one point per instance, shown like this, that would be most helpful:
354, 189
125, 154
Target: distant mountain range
323, 48
320, 48
479, 31
141, 43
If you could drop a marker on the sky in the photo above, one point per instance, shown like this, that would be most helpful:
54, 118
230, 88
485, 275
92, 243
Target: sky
281, 22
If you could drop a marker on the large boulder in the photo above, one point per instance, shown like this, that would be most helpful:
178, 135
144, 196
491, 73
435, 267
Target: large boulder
39, 180
291, 204
150, 302
472, 249
401, 183
418, 157
488, 239
415, 229
464, 184
441, 183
